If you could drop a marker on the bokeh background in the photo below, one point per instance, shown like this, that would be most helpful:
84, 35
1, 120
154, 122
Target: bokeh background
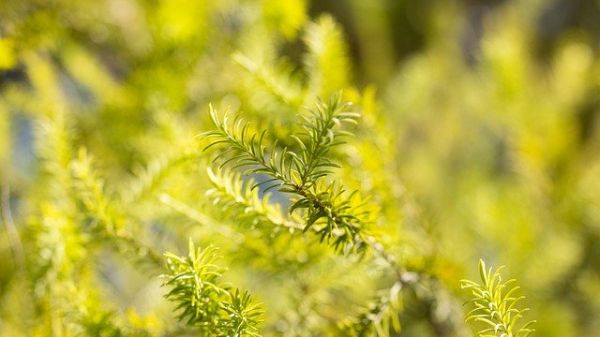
493, 109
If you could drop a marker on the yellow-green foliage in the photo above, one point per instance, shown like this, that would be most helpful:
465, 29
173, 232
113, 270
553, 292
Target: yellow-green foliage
350, 160
496, 305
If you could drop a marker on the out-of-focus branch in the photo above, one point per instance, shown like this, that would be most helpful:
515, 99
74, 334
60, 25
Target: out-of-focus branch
11, 230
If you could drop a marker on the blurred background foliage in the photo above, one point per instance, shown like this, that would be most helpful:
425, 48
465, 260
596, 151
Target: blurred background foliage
480, 137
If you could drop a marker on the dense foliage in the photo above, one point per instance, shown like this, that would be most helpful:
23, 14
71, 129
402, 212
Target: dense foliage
285, 168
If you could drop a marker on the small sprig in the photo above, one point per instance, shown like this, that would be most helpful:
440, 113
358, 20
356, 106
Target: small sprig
322, 131
203, 302
246, 150
495, 303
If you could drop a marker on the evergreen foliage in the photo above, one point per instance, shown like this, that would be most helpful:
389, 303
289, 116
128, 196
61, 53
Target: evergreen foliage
203, 302
130, 128
495, 304
335, 213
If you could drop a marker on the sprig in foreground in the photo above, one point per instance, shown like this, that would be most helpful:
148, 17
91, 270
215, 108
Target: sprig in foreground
203, 302
495, 305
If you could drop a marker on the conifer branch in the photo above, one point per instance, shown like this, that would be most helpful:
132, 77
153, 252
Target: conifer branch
195, 215
326, 61
321, 134
381, 315
245, 204
275, 81
336, 214
494, 304
328, 210
204, 302
148, 178
380, 318
109, 222
90, 190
